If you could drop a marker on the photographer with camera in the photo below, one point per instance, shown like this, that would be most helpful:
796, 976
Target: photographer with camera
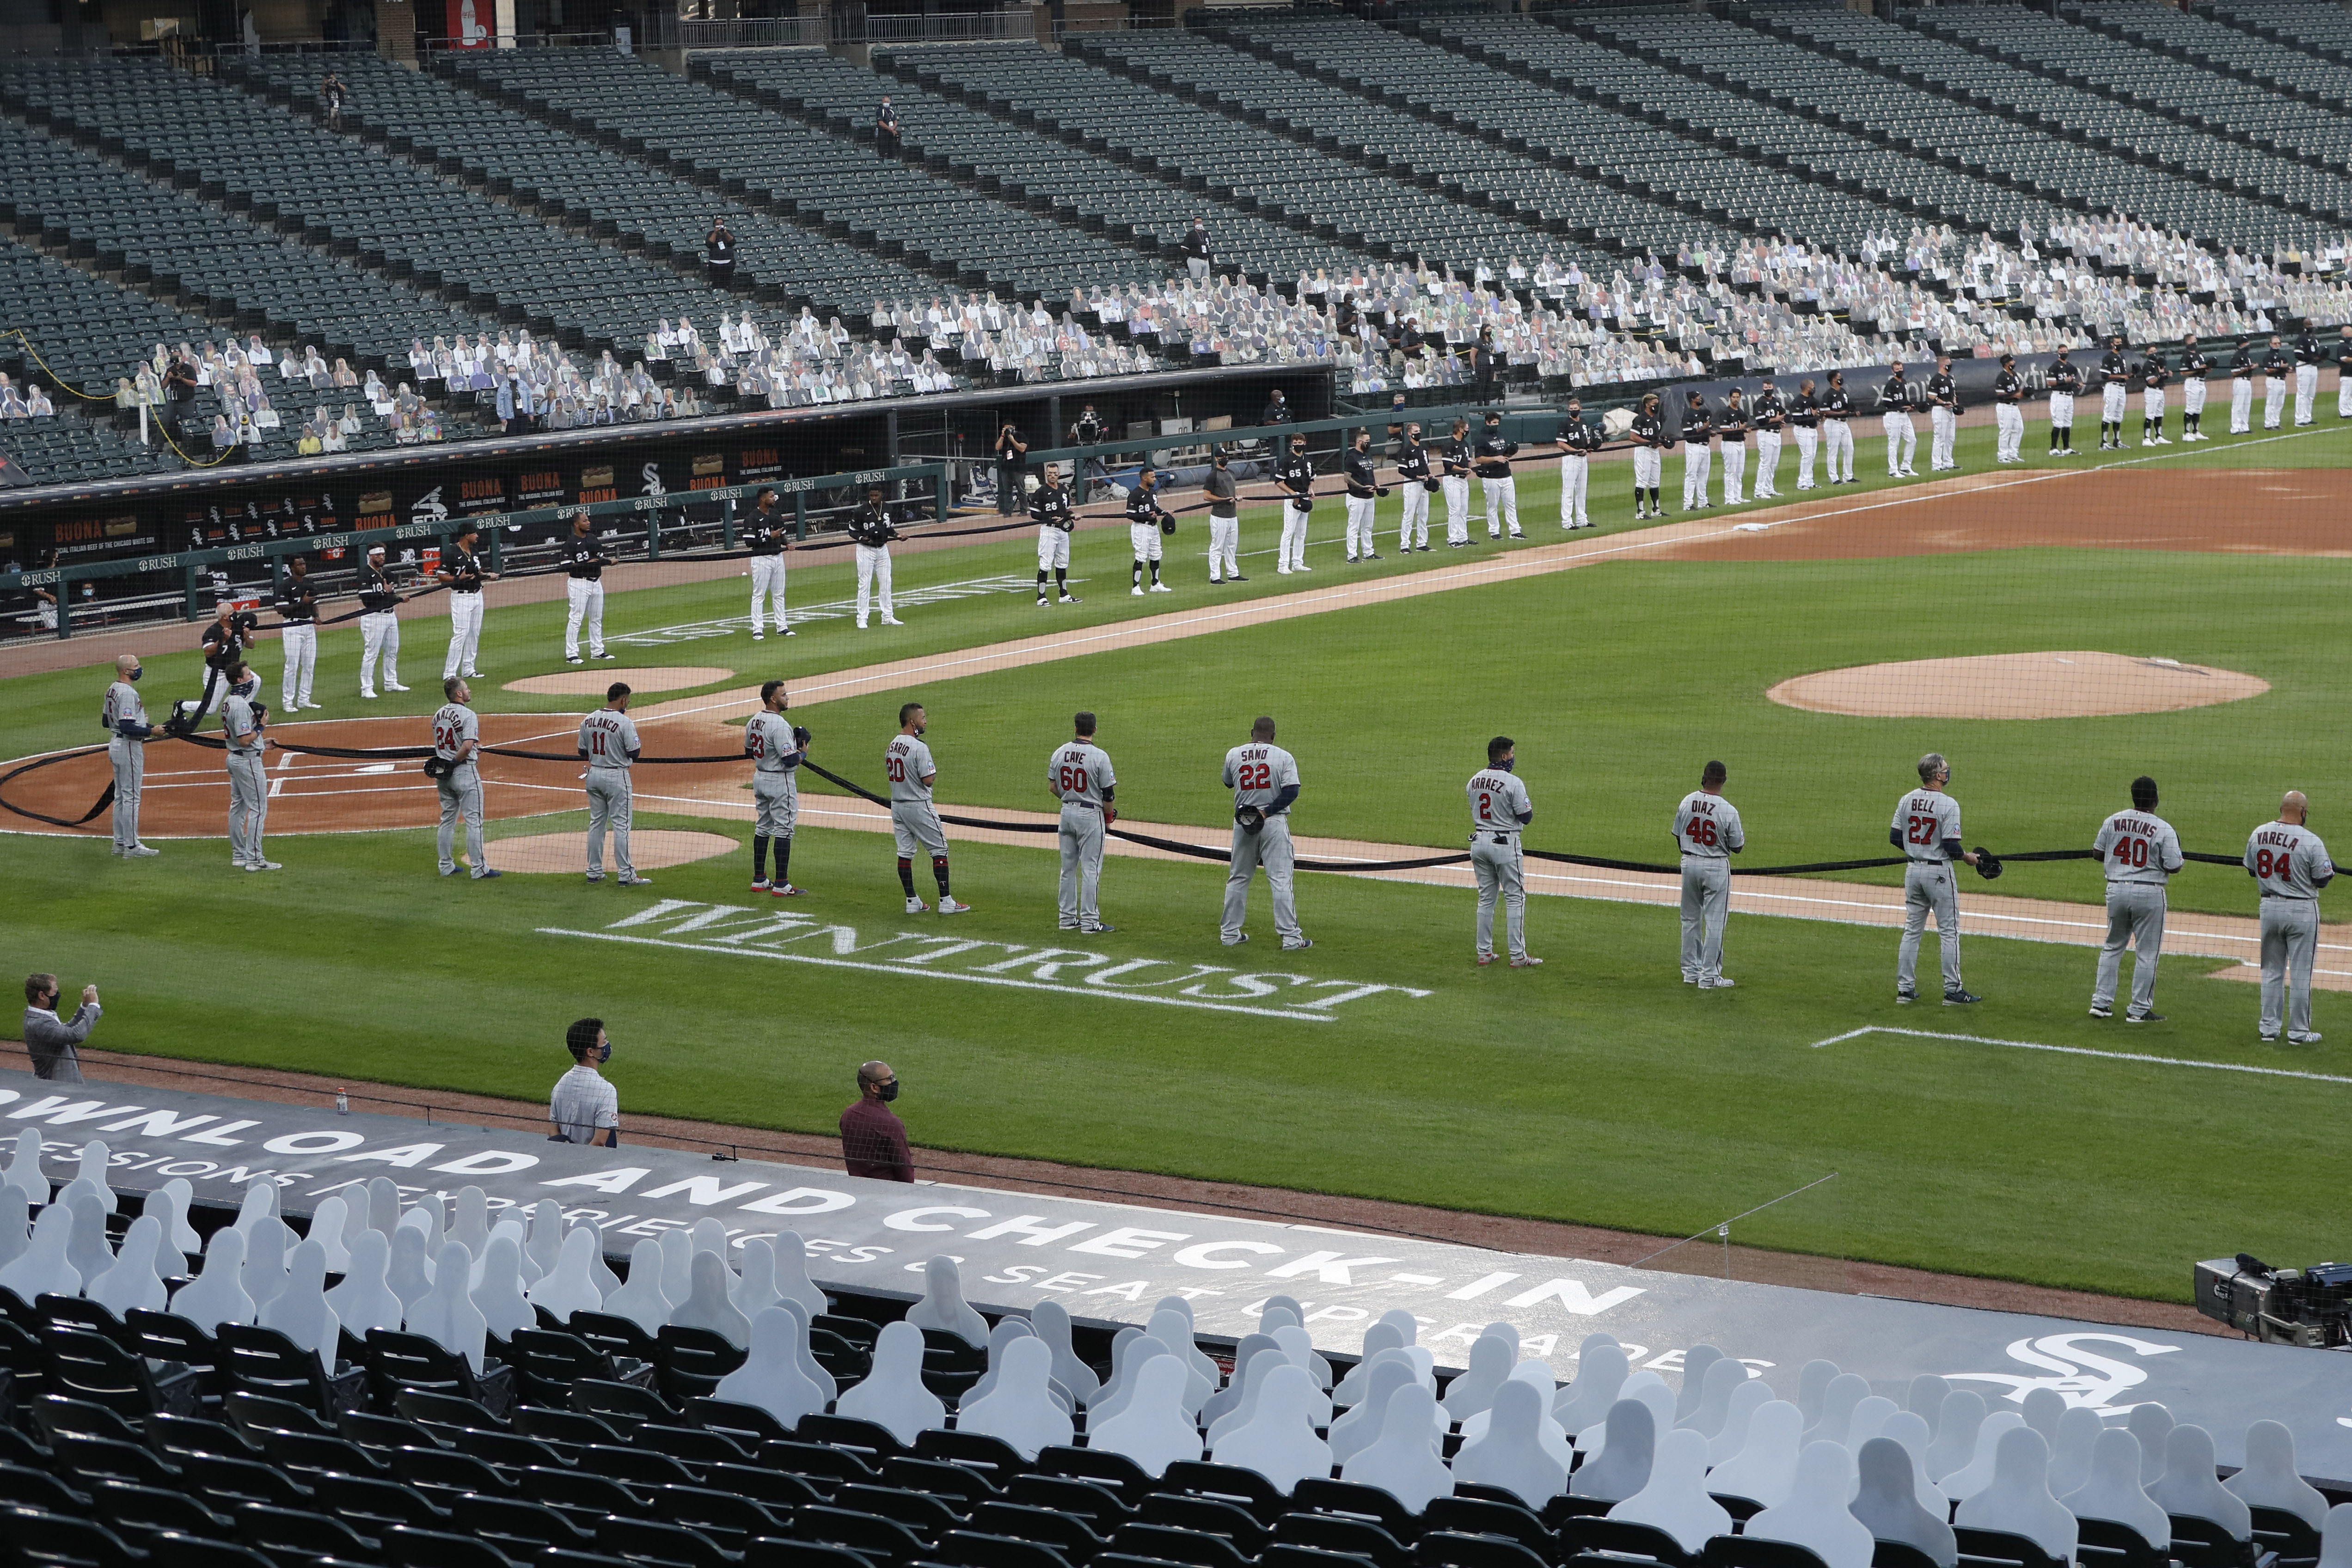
244, 719
49, 1040
1012, 463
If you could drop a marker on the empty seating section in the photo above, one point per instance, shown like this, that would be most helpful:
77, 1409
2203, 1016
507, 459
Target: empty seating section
2291, 84
568, 178
2088, 147
827, 175
89, 331
2312, 27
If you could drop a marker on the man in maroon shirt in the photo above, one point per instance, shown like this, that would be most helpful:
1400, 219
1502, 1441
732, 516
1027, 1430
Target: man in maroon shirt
873, 1138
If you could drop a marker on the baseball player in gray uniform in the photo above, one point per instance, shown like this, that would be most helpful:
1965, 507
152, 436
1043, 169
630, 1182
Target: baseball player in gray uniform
242, 722
2290, 865
608, 744
125, 720
1926, 828
457, 738
1707, 832
1499, 809
2140, 852
1265, 781
775, 746
1079, 776
907, 763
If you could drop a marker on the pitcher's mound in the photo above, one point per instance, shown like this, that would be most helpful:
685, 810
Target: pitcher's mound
568, 852
592, 680
2016, 686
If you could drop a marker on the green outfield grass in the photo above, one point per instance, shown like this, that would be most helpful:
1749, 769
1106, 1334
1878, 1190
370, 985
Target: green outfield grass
1597, 1089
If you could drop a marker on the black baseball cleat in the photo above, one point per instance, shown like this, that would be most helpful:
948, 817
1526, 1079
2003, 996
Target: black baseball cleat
2101, 1010
2143, 1018
1236, 577
1959, 998
1905, 999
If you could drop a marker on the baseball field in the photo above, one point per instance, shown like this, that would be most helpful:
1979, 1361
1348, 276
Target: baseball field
2172, 612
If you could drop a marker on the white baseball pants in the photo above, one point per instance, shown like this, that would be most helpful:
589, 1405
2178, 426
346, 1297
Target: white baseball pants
1734, 472
2192, 395
872, 573
1707, 906
585, 603
1224, 547
1838, 444
1291, 553
248, 806
1269, 848
1082, 862
465, 635
130, 760
2343, 397
1413, 530
2151, 404
1809, 444
1649, 465
1943, 424
1929, 888
1361, 544
1457, 508
1768, 464
2062, 411
2242, 404
1502, 876
379, 636
1902, 442
1698, 463
1053, 550
768, 588
2009, 422
610, 799
2307, 388
1143, 541
301, 645
2134, 915
2273, 400
1502, 498
2290, 943
2112, 398
1574, 471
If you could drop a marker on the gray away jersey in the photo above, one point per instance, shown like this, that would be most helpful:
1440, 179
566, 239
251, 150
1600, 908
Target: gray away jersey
453, 726
1707, 825
907, 763
2139, 847
122, 702
2288, 862
1924, 819
241, 725
769, 738
1499, 802
1257, 770
608, 738
1080, 771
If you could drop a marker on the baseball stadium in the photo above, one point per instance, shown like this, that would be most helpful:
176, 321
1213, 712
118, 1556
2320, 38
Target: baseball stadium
1006, 1034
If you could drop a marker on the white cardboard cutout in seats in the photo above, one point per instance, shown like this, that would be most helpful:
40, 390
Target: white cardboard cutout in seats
1924, 1396
2191, 1488
792, 1273
507, 1229
25, 1171
2113, 1492
810, 1368
1675, 1498
1508, 1454
1019, 1407
709, 1234
498, 1296
1955, 1442
1715, 1388
1153, 1429
383, 1204
1600, 1374
1474, 1390
641, 1298
2336, 1538
95, 1161
1008, 1327
544, 1246
1550, 1436
755, 1287
1194, 1357
1815, 1515
1888, 1505
169, 1202
1228, 1399
1623, 1467
706, 1305
1295, 1342
1381, 1336
2041, 1408
600, 1271
327, 1223
132, 1281
2017, 1500
2151, 1423
1746, 1400
16, 1223
1278, 1441
1870, 1418
1766, 1466
943, 1306
1812, 1386
88, 1251
1648, 1388
45, 1267
469, 1226
892, 1396
1845, 1391
446, 1316
1697, 1362
216, 1295
300, 1312
1910, 1430
1399, 1462
771, 1378
2070, 1455
409, 1271
365, 1300
1052, 1321
1978, 1473
1360, 1427
568, 1288
2270, 1479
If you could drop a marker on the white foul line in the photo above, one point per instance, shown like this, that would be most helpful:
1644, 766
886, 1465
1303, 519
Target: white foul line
2084, 1051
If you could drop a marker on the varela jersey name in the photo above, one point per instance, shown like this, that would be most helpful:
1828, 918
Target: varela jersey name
2139, 847
1499, 802
769, 739
1080, 773
2288, 862
1923, 820
608, 739
907, 761
1707, 827
1256, 772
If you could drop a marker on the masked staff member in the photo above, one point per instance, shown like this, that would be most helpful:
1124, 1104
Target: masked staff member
1364, 491
1294, 477
1453, 482
1501, 491
1577, 442
871, 529
461, 569
1770, 415
1225, 519
125, 720
584, 590
1649, 432
1419, 484
1051, 507
767, 535
297, 602
1011, 465
1147, 523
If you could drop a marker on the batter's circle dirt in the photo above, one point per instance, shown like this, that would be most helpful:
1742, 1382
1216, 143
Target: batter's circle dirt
2016, 686
594, 679
568, 852
187, 792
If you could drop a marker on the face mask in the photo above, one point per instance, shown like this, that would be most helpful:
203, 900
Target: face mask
1508, 764
134, 675
608, 1050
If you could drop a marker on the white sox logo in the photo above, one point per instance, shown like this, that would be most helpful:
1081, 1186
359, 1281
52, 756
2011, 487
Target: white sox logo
2082, 1378
651, 474
427, 508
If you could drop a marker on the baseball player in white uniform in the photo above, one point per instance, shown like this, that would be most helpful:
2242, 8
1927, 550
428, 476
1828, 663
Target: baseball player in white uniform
584, 561
871, 529
248, 786
379, 625
462, 569
1417, 484
297, 602
2008, 411
2307, 374
2140, 852
1080, 776
608, 744
1804, 423
2115, 392
1895, 419
2278, 368
1265, 781
1496, 486
1145, 521
1731, 427
1926, 828
2242, 389
775, 746
1649, 433
2290, 865
1499, 810
1771, 415
1837, 432
1056, 517
1295, 476
1454, 483
1707, 832
457, 739
1576, 441
767, 533
124, 718
1699, 452
2193, 365
907, 763
1364, 493
1943, 416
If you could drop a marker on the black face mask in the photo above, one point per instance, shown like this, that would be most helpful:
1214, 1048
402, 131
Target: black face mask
136, 674
888, 1092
